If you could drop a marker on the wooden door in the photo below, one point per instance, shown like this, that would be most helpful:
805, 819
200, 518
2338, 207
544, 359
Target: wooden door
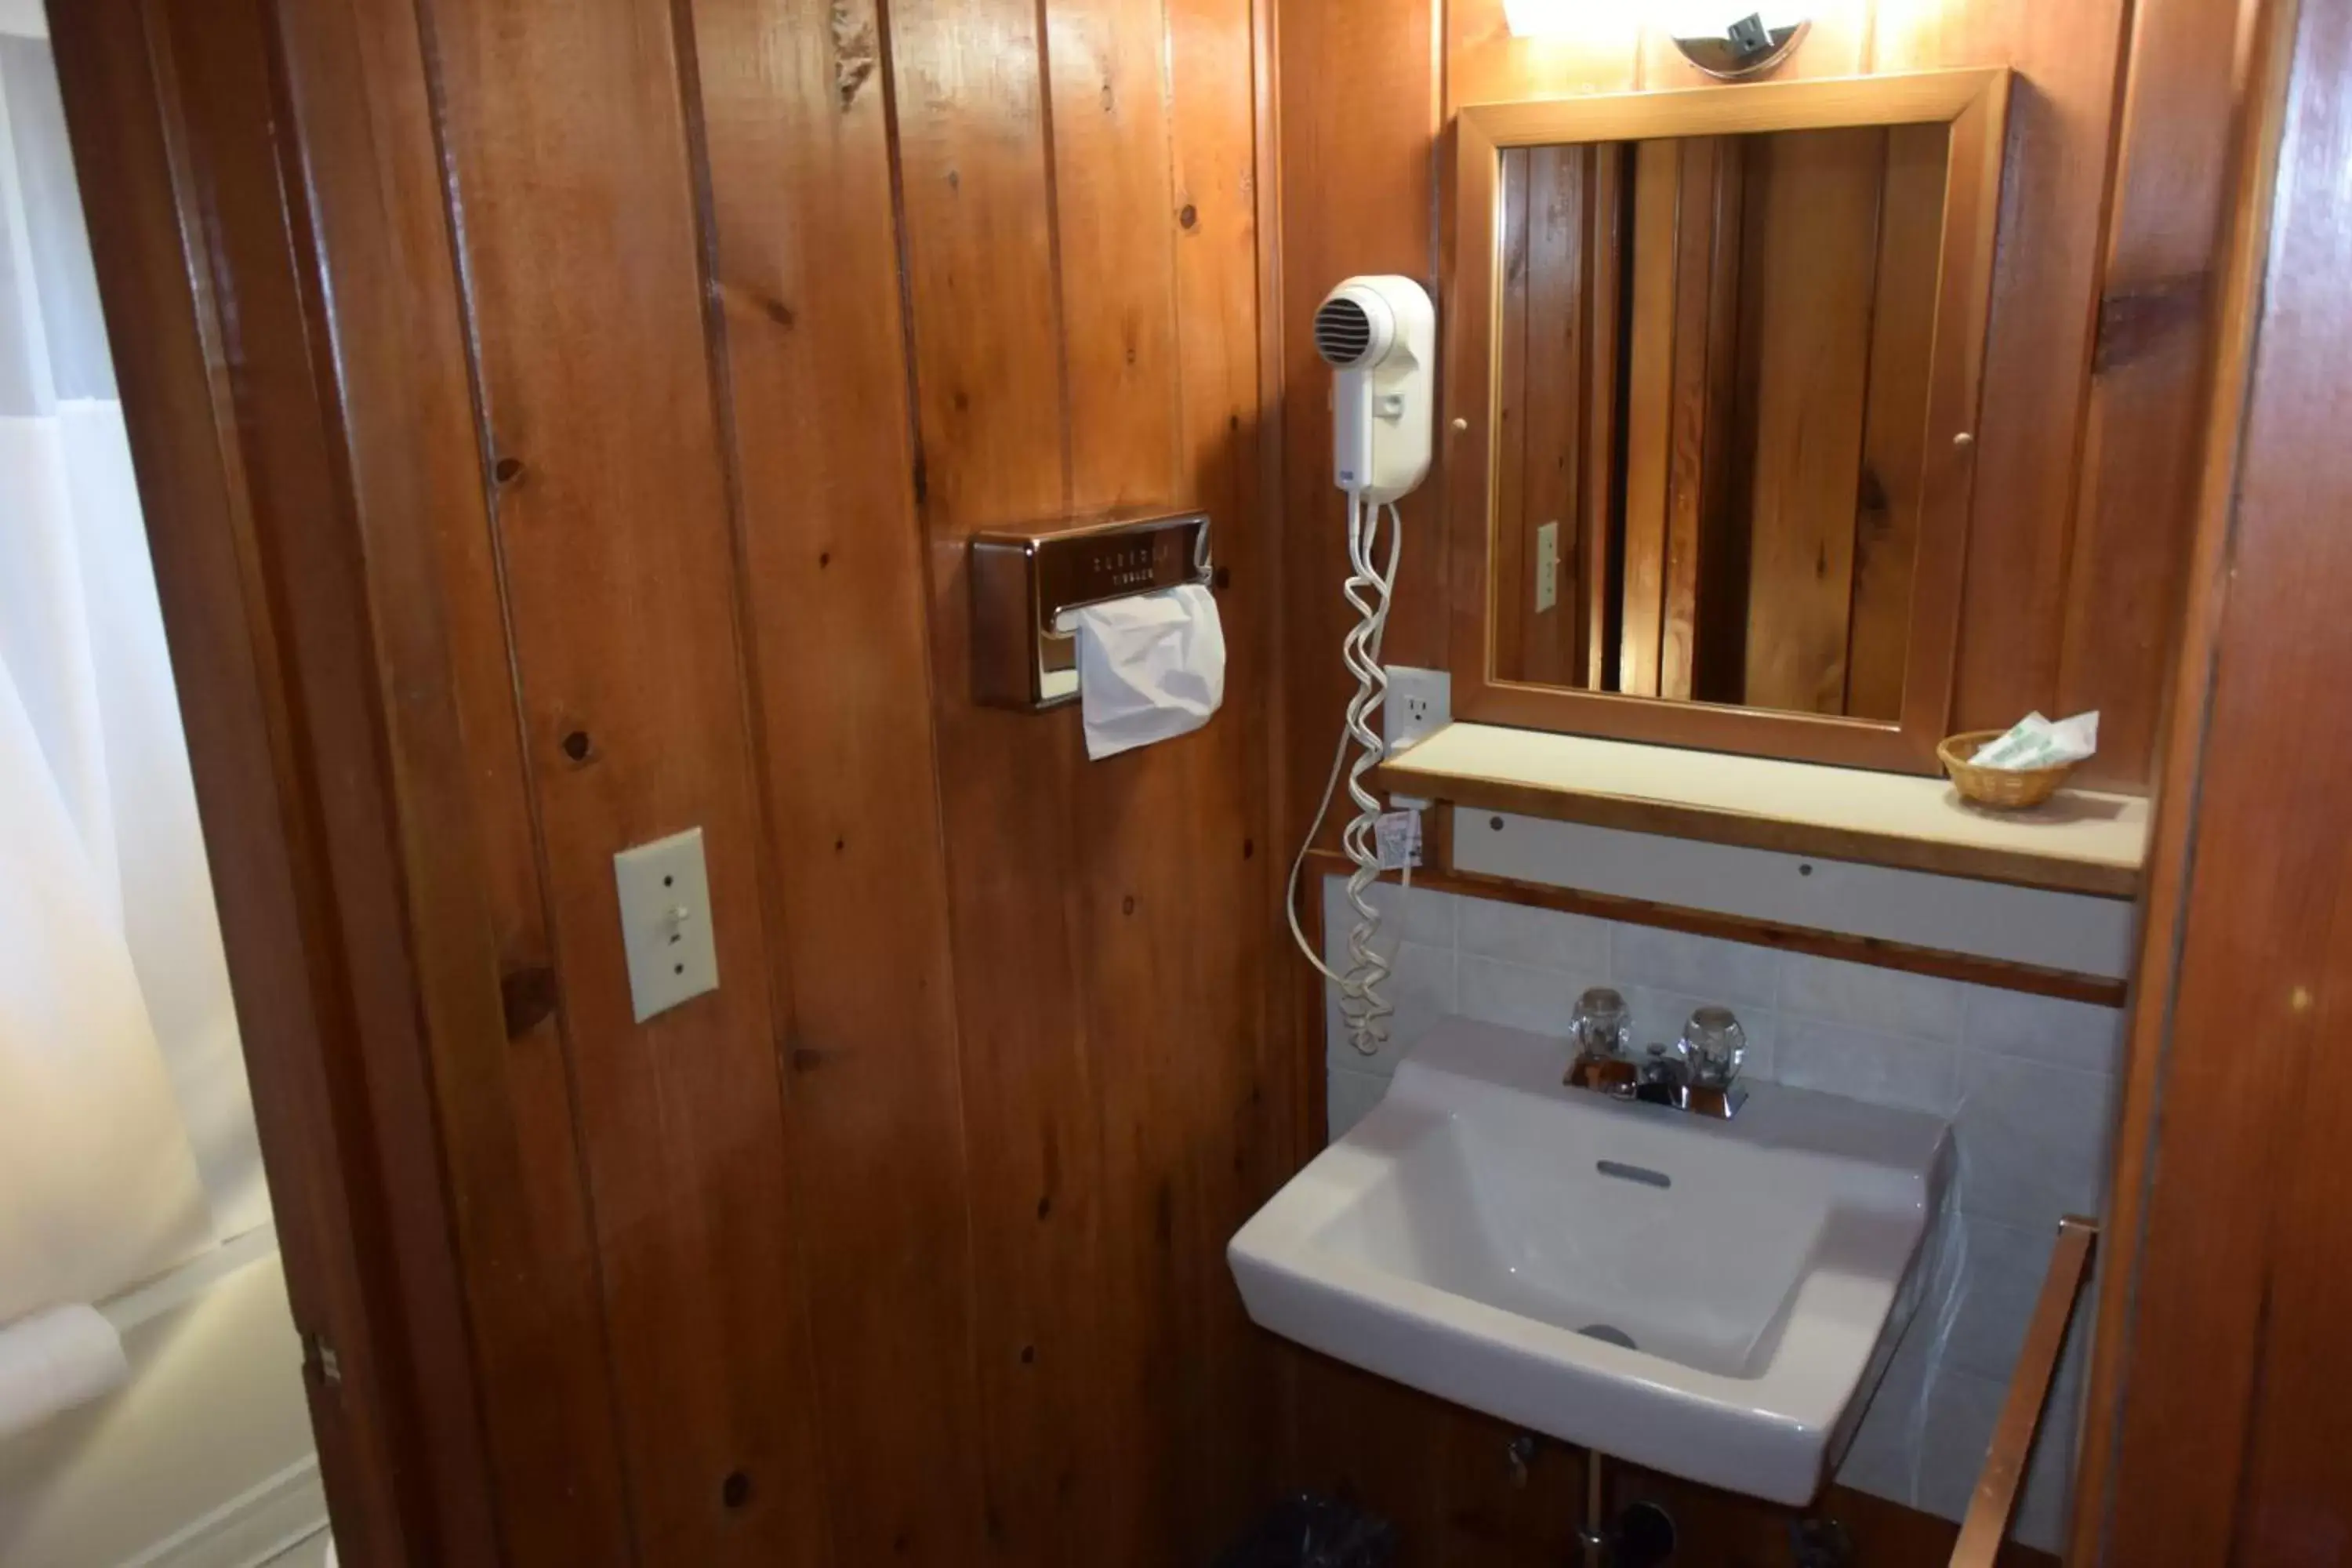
2219, 1428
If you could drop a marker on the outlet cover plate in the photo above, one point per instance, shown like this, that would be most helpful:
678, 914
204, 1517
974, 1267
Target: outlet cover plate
666, 922
1420, 703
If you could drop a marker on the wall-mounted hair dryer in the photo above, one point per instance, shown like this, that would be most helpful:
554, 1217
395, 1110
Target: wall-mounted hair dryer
1379, 333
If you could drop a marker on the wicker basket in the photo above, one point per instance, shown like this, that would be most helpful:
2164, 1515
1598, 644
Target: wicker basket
2004, 789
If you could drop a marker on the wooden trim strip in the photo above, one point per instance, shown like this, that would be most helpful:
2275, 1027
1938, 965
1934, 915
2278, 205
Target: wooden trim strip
2029, 1390
2065, 985
1682, 820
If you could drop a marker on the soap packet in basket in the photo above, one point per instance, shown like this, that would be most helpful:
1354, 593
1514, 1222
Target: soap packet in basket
2034, 741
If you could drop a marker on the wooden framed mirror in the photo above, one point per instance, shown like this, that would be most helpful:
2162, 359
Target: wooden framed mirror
1713, 376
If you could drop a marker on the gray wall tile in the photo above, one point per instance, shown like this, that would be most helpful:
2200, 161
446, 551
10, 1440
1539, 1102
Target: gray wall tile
1350, 1098
2080, 1034
2033, 1139
1546, 939
1870, 997
2000, 1278
1868, 1065
1518, 996
1407, 914
1708, 966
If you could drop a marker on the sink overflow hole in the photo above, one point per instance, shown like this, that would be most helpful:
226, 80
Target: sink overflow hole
1609, 1334
1640, 1173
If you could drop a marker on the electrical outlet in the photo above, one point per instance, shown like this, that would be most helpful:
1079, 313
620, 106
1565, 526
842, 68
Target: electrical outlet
1419, 702
1546, 567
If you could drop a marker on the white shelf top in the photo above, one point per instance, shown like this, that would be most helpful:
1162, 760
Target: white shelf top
2085, 840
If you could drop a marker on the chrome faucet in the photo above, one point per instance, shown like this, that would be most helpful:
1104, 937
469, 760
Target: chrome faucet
1695, 1073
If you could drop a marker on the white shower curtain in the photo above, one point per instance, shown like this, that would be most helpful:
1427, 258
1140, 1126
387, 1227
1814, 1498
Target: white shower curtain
126, 1124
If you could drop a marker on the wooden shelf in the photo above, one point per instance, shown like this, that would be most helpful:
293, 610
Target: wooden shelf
2083, 841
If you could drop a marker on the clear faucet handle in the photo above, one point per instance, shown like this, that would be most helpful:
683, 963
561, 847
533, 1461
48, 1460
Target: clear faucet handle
1715, 1045
1602, 1025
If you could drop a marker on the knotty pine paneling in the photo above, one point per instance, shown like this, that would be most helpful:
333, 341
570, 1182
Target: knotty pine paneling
803, 248
907, 1244
2019, 594
567, 146
986, 333
510, 1147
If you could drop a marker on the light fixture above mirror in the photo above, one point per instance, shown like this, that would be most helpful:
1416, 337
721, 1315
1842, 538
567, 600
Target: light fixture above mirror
1725, 38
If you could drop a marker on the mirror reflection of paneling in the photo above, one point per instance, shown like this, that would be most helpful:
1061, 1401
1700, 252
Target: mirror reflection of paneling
1711, 386
1807, 259
1555, 366
1677, 540
1893, 437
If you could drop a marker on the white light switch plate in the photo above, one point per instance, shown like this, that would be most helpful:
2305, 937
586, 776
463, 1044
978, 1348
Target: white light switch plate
1546, 567
666, 922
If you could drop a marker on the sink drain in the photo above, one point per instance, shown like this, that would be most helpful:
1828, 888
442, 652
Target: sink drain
1609, 1334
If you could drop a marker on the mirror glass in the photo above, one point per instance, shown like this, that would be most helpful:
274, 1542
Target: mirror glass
1711, 384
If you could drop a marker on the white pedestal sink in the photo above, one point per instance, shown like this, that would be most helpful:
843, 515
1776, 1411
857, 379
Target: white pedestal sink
1714, 1299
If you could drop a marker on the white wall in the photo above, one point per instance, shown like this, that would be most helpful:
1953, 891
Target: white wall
2029, 1082
203, 1461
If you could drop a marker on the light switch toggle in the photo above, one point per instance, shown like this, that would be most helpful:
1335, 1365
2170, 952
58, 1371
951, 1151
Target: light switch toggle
664, 893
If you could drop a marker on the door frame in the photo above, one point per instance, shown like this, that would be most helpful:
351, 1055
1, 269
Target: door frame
231, 335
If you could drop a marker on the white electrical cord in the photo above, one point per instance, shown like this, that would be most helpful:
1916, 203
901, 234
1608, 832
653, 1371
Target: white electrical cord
1361, 1006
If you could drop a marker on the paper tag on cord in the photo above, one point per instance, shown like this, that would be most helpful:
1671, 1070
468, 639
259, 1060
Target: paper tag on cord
1398, 836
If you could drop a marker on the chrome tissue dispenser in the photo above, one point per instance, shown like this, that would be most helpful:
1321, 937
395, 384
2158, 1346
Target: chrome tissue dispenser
1023, 581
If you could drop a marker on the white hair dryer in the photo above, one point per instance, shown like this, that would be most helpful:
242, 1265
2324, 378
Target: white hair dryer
1379, 334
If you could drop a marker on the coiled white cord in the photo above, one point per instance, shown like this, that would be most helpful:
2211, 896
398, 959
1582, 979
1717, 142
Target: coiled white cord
1362, 1007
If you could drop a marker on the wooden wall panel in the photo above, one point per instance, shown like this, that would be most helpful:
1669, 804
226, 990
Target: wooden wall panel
1113, 220
1106, 1096
418, 480
1234, 1138
1600, 50
567, 148
984, 288
1136, 919
2133, 517
2045, 297
2221, 1374
802, 256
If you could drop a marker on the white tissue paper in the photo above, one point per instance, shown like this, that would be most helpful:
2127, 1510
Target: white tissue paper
2034, 741
54, 1361
1150, 667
